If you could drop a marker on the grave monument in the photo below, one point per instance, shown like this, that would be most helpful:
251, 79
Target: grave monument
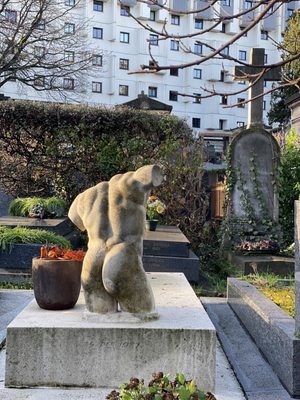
104, 348
253, 161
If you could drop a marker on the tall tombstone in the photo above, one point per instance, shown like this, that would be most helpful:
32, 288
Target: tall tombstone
254, 154
253, 204
297, 266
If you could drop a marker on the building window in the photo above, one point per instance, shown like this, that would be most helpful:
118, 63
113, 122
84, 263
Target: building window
69, 29
98, 5
264, 105
248, 4
223, 28
152, 91
198, 23
241, 103
11, 16
68, 84
97, 33
226, 3
69, 56
242, 82
174, 45
97, 87
222, 124
225, 52
123, 90
174, 71
197, 73
173, 96
125, 11
242, 55
290, 12
39, 81
97, 60
39, 51
240, 124
153, 40
264, 35
124, 63
265, 58
41, 25
175, 19
197, 99
70, 3
198, 48
223, 99
222, 76
124, 37
196, 122
152, 15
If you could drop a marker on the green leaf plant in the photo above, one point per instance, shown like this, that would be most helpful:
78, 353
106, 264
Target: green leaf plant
160, 388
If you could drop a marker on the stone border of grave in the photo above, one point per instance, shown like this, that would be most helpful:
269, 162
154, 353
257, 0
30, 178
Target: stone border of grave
272, 329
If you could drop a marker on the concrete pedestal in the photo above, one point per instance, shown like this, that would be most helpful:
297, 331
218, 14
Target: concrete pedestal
67, 348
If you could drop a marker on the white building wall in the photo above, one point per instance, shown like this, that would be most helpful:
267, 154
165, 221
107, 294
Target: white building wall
210, 111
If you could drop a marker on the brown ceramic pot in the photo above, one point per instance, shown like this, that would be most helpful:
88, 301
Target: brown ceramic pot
56, 283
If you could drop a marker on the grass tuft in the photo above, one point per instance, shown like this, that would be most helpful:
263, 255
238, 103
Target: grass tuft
21, 235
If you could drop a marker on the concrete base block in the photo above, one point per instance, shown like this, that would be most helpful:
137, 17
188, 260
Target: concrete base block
272, 329
64, 348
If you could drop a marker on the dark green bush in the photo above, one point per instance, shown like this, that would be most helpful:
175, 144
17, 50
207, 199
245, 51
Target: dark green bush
289, 185
60, 150
53, 149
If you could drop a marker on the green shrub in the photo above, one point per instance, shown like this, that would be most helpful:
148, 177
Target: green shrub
60, 150
21, 207
20, 235
289, 185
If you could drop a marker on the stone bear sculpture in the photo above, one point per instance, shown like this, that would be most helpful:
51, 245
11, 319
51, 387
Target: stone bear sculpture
113, 214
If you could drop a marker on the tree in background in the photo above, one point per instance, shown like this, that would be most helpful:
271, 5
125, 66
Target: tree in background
280, 112
216, 17
43, 45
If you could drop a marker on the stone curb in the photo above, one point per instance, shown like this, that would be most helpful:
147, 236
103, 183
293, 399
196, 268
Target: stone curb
271, 329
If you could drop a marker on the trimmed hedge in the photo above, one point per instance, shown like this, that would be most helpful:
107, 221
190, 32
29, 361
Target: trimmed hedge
53, 149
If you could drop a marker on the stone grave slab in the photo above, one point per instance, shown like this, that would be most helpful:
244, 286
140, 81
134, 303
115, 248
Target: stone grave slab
272, 329
66, 348
166, 241
189, 265
60, 226
168, 250
249, 264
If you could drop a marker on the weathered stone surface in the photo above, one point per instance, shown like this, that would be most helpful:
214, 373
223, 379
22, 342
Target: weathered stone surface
255, 375
255, 146
60, 226
249, 264
272, 329
113, 214
297, 265
48, 348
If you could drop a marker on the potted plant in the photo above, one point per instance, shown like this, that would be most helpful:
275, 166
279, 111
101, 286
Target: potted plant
56, 277
160, 388
154, 209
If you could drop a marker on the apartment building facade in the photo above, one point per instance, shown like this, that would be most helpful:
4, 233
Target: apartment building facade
120, 45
